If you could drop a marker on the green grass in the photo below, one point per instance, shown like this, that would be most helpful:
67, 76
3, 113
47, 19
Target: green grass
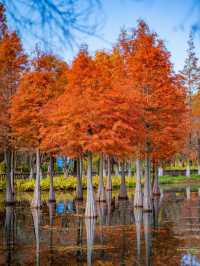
62, 183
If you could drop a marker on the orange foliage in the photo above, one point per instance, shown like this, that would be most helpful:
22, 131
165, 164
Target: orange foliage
12, 64
93, 114
43, 82
163, 112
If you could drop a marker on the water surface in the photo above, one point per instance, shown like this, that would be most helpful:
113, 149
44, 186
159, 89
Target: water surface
59, 234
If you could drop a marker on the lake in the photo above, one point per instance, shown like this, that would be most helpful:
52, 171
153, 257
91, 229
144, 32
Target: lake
59, 234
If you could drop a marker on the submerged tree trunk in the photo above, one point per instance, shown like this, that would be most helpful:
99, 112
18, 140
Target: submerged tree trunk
156, 190
123, 192
147, 201
101, 196
109, 179
79, 187
90, 210
51, 172
36, 202
138, 188
9, 192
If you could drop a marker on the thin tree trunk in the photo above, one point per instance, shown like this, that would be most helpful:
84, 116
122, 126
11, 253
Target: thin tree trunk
51, 172
123, 192
79, 187
160, 171
36, 202
65, 172
9, 192
81, 167
188, 192
156, 190
198, 167
116, 168
188, 169
31, 166
129, 168
109, 179
101, 196
90, 210
138, 188
104, 168
12, 167
147, 201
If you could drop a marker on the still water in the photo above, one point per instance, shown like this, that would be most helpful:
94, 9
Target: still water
58, 234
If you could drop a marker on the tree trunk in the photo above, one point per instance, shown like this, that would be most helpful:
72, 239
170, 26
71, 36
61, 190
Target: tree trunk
90, 210
188, 192
101, 196
79, 187
147, 201
51, 172
123, 192
104, 168
65, 172
12, 170
198, 167
36, 202
109, 179
116, 168
129, 168
31, 167
81, 167
160, 171
138, 188
188, 169
156, 190
9, 192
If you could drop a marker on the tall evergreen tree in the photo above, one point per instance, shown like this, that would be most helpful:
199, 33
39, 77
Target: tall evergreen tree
191, 74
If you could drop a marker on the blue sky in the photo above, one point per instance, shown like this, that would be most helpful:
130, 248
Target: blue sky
171, 19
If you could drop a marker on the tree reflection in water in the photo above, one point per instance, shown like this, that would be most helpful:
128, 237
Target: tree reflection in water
138, 222
147, 220
9, 233
36, 213
90, 231
52, 206
121, 235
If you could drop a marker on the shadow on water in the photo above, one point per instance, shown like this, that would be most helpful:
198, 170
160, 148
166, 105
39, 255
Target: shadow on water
59, 234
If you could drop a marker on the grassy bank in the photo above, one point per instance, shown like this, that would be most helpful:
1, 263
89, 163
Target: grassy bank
62, 184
